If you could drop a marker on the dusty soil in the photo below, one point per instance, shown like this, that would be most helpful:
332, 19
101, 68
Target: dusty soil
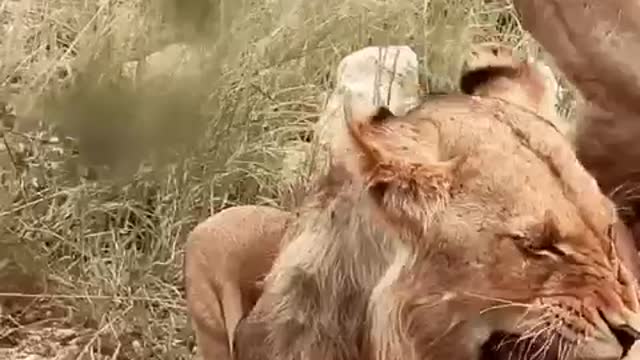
44, 330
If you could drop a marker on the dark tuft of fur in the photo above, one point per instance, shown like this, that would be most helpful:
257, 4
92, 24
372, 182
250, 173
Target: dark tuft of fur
382, 114
471, 80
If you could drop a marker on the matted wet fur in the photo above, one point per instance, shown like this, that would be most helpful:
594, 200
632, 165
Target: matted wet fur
468, 218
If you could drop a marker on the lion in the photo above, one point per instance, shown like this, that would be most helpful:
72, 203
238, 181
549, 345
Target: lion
468, 219
225, 258
212, 333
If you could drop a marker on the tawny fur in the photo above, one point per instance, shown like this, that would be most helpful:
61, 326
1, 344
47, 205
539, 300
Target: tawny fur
494, 70
467, 217
226, 257
596, 45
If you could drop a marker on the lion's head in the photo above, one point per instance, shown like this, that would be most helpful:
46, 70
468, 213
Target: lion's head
465, 224
506, 235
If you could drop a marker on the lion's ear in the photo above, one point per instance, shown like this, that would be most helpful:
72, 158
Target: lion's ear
381, 115
494, 71
399, 171
473, 80
485, 64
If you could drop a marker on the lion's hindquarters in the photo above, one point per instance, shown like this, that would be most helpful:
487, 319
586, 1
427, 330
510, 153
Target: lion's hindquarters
204, 307
226, 257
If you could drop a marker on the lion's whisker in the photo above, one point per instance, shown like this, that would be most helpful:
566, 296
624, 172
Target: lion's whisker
548, 342
493, 298
531, 324
503, 306
532, 335
567, 348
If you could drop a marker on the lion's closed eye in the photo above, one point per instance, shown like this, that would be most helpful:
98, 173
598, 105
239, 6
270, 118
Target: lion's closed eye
538, 247
611, 234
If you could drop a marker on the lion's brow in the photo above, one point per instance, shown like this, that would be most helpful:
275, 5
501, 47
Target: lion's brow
549, 160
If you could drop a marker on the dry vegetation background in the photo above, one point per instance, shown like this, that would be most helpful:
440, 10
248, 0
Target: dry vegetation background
103, 173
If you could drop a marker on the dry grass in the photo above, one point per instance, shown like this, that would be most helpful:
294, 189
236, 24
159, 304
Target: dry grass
103, 177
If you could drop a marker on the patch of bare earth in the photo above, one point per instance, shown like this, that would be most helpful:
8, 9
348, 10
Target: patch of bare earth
44, 330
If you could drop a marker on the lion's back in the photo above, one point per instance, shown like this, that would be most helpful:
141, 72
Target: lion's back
240, 236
